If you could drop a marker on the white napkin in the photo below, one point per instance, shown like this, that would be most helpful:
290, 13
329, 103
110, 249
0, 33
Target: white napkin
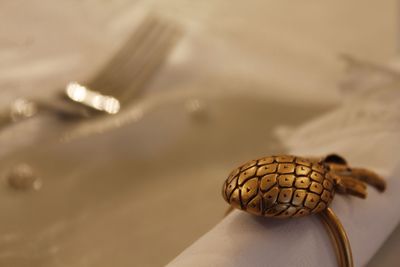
366, 131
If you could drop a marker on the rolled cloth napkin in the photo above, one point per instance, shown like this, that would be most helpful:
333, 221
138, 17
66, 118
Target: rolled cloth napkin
366, 131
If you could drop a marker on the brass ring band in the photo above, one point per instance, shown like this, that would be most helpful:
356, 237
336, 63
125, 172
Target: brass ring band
338, 236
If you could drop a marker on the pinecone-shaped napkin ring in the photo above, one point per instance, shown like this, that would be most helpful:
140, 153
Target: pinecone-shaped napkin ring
288, 186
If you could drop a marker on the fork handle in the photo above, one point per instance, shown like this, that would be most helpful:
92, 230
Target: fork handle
23, 109
64, 108
19, 109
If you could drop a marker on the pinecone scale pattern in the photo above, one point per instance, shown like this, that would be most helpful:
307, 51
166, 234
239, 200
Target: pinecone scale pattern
279, 186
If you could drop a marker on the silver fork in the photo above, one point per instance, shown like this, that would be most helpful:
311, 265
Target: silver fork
116, 85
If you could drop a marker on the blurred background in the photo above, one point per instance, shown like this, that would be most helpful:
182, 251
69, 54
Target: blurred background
121, 119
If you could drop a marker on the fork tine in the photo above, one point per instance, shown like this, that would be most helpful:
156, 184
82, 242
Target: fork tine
130, 69
153, 60
101, 81
136, 60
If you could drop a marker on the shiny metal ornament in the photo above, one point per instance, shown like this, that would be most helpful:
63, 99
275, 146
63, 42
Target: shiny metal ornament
288, 186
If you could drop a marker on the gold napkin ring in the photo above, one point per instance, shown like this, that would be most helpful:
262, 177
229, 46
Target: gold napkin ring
287, 186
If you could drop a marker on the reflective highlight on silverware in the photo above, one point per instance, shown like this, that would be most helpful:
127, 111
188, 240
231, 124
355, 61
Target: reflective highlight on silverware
92, 99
